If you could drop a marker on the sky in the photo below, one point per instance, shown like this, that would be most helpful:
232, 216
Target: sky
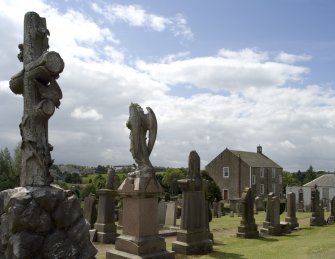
218, 74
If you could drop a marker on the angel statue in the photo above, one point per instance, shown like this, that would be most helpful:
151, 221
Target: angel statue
139, 124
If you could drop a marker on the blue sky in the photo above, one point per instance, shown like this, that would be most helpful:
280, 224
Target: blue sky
217, 74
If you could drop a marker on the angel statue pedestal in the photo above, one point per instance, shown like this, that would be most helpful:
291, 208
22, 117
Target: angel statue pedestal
139, 193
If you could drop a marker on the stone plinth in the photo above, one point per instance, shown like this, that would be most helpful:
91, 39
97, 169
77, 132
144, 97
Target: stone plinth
140, 238
193, 236
105, 225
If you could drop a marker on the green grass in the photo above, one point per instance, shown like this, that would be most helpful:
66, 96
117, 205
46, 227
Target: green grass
307, 242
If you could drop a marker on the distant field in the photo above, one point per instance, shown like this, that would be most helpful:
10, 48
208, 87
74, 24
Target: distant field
307, 242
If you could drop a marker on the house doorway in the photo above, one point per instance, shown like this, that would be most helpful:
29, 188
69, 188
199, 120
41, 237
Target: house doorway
225, 195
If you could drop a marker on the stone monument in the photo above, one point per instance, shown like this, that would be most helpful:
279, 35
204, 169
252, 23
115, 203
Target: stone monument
331, 219
105, 225
39, 220
194, 235
291, 211
271, 225
318, 218
248, 227
139, 193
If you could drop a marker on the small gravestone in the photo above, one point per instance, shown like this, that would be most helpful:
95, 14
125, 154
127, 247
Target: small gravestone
105, 225
248, 227
90, 209
271, 225
318, 217
161, 213
291, 211
194, 235
215, 208
171, 214
301, 201
331, 219
220, 209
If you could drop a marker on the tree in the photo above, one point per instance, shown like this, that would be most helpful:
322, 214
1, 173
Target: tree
213, 191
171, 177
72, 177
10, 169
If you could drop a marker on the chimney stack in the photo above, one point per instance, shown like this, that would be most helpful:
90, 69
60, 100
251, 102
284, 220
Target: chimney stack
259, 149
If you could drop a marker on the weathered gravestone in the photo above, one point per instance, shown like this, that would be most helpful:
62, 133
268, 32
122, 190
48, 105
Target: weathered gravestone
248, 227
271, 225
318, 217
139, 193
194, 235
220, 209
39, 220
161, 213
105, 225
171, 214
215, 208
291, 211
90, 209
331, 219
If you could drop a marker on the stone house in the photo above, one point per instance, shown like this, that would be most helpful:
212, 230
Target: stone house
326, 186
234, 170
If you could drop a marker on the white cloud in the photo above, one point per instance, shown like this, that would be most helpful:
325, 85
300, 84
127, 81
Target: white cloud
86, 113
247, 55
135, 15
231, 70
291, 58
287, 144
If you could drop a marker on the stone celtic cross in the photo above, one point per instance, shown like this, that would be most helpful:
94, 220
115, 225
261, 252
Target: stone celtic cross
41, 94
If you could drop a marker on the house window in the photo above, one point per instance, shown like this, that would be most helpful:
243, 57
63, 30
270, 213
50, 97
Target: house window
274, 188
226, 172
273, 172
253, 179
262, 188
262, 172
280, 179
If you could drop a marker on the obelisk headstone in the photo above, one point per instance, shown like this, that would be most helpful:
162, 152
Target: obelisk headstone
194, 235
139, 193
271, 225
248, 227
39, 220
291, 211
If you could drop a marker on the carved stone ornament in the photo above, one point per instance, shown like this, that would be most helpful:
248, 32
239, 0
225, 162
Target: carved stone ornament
41, 93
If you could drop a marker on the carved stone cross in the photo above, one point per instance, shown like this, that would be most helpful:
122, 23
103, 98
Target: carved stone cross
41, 94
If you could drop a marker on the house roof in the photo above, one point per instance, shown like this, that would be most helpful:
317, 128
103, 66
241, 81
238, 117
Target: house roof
326, 180
254, 159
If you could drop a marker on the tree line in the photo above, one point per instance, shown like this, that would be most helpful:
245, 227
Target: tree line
10, 168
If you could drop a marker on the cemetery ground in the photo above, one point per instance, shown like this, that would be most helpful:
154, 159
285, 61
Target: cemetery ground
306, 242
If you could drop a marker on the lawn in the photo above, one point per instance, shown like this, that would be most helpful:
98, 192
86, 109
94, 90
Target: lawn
307, 242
